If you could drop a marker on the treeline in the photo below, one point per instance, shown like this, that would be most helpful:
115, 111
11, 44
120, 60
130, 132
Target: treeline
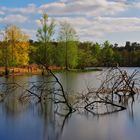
89, 54
68, 52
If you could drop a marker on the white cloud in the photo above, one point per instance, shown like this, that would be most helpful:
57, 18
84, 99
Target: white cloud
30, 32
13, 19
29, 9
2, 13
84, 7
73, 7
91, 28
136, 5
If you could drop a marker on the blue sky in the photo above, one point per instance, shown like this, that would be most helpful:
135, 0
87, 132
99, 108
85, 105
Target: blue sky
94, 20
21, 3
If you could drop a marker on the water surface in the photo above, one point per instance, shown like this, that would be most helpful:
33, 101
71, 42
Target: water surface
27, 121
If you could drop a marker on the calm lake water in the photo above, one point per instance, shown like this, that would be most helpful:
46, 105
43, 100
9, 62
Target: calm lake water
39, 122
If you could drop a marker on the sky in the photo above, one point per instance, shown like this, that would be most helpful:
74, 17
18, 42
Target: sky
94, 20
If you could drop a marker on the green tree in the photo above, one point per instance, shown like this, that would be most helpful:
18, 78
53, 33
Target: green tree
88, 54
97, 50
68, 41
44, 36
117, 58
4, 54
107, 54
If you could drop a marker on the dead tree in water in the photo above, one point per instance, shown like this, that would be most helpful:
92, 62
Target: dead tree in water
118, 85
43, 90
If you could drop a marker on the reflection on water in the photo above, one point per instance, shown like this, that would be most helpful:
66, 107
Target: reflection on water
32, 122
27, 121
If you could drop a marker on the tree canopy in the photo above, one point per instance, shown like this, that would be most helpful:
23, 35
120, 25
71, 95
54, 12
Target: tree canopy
15, 46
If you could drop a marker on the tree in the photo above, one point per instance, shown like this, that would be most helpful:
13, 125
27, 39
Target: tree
4, 53
96, 51
18, 46
107, 54
45, 51
85, 58
88, 54
44, 36
68, 41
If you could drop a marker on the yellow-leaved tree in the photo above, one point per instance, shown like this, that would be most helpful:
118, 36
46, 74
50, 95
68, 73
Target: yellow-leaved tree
18, 46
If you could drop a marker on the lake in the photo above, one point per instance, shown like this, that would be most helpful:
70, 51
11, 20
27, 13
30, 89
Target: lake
28, 121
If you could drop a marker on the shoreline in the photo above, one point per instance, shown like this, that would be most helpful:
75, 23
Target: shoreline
35, 70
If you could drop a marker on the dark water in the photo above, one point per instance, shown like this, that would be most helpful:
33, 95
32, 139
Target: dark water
27, 121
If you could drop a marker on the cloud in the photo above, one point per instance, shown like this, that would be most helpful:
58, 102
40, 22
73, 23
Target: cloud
136, 5
72, 7
13, 19
91, 28
2, 13
30, 32
29, 9
84, 8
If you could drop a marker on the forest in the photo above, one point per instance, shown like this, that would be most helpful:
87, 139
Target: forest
89, 54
